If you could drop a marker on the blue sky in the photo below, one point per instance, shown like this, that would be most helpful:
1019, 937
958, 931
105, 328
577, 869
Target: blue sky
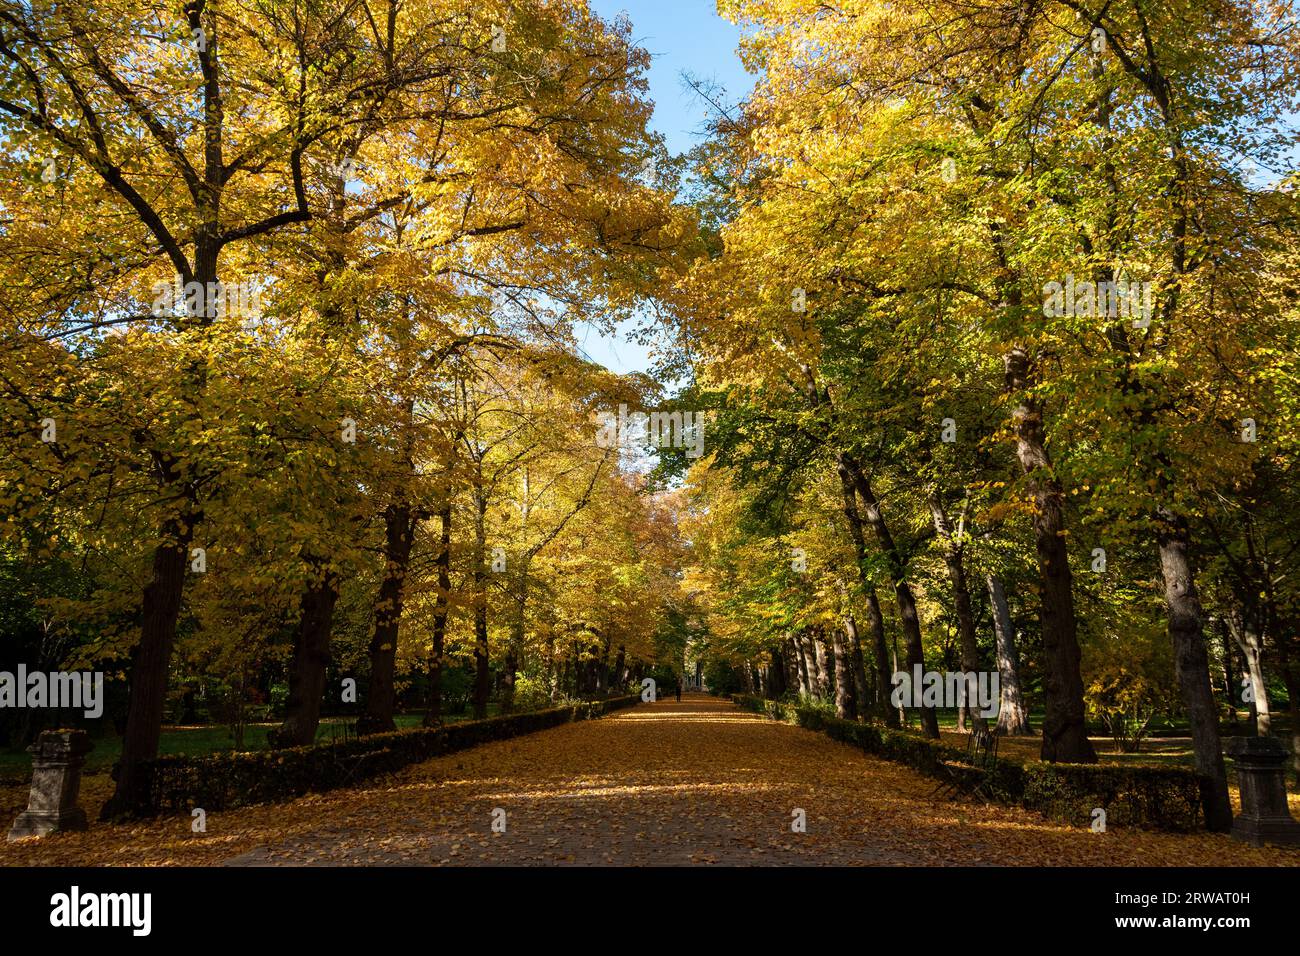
682, 36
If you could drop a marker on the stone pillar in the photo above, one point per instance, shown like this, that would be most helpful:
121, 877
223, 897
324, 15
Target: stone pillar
57, 758
1264, 816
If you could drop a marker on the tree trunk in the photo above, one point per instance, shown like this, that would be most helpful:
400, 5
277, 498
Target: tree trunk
381, 698
884, 668
1250, 642
602, 669
482, 671
1065, 736
1229, 673
900, 715
801, 655
552, 688
161, 601
1013, 715
970, 656
825, 679
150, 660
777, 680
861, 689
616, 675
311, 658
910, 619
845, 705
793, 667
515, 649
482, 666
1193, 669
441, 606
815, 679
309, 665
849, 501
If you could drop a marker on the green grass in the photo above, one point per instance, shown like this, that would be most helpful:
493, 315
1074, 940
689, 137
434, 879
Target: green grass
196, 741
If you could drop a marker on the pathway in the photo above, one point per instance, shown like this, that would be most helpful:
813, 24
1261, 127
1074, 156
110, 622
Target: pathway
696, 782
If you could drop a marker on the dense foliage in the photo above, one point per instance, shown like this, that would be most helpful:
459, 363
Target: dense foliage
991, 307
293, 411
1000, 327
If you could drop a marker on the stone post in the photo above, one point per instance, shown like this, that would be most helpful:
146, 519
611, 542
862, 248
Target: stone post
57, 758
1264, 817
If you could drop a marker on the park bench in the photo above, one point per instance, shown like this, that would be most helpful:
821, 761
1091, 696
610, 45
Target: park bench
968, 776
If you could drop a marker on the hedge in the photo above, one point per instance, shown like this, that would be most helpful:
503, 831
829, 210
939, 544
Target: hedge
1159, 798
175, 784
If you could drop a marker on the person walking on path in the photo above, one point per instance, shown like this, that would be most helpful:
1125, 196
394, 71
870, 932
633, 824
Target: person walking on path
678, 682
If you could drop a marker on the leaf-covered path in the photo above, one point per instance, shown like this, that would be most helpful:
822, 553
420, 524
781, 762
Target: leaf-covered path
697, 782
